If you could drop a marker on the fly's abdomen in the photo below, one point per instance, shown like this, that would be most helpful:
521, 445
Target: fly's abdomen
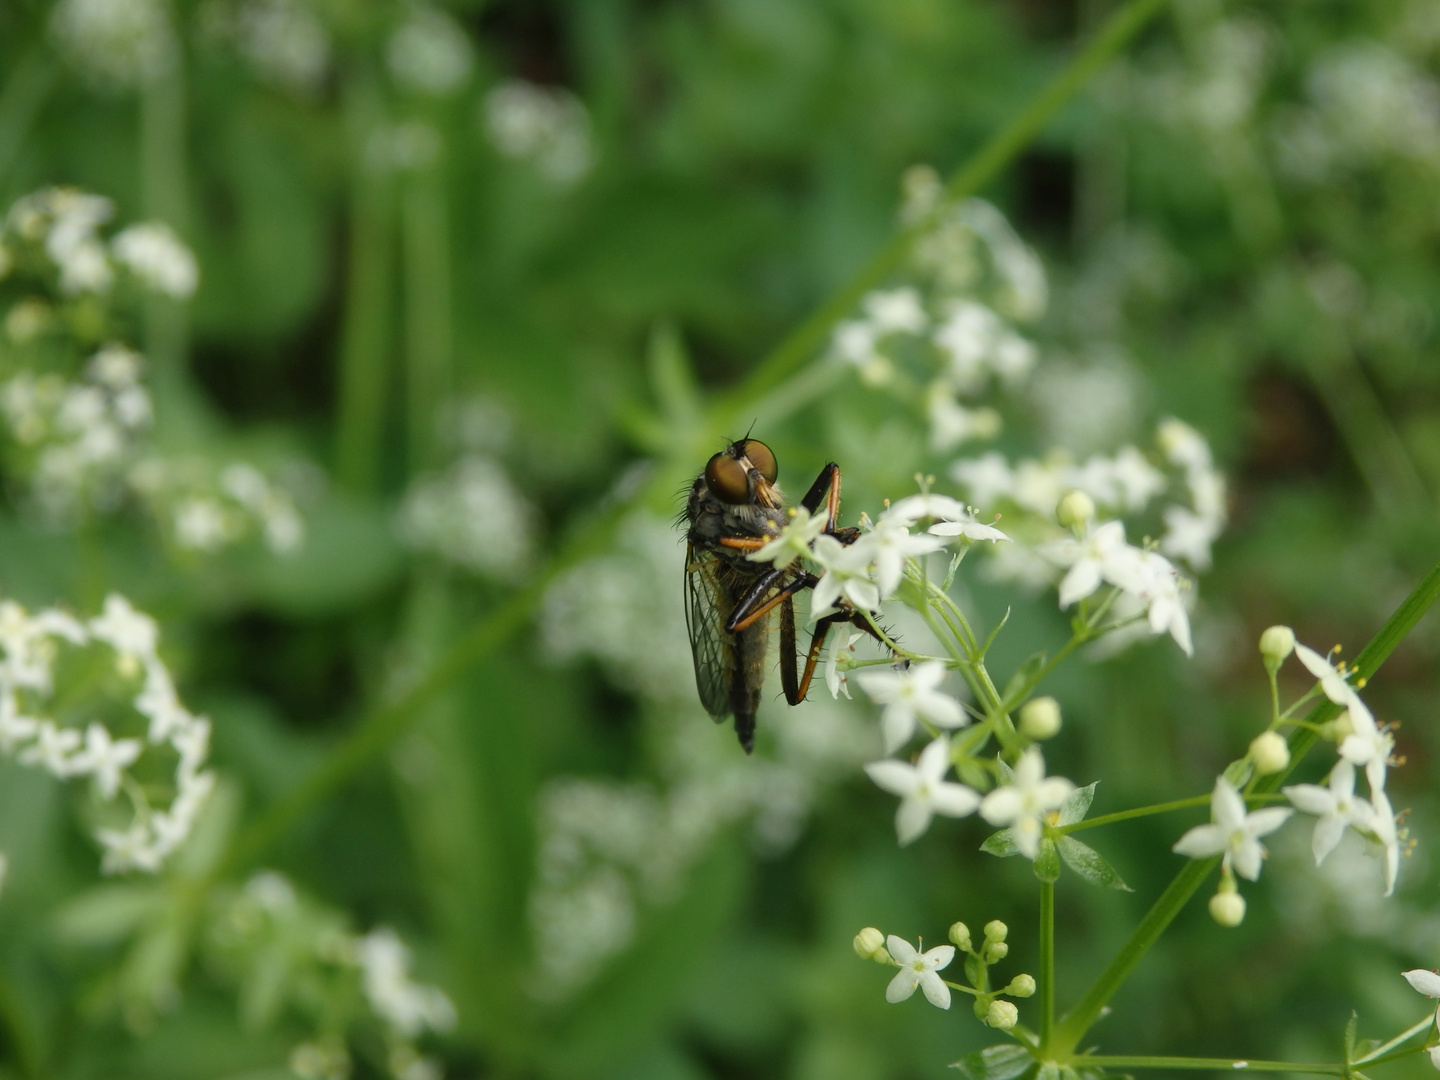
748, 676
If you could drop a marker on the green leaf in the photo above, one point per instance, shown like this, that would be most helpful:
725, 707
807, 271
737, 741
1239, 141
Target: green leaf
994, 633
1020, 682
1077, 805
1001, 844
1047, 861
974, 969
1003, 1062
1088, 863
1351, 1027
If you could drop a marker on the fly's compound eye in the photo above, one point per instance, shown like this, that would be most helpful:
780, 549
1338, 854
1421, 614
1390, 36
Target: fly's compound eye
727, 479
761, 457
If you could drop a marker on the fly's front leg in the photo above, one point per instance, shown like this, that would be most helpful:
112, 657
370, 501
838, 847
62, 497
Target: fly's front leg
750, 608
826, 488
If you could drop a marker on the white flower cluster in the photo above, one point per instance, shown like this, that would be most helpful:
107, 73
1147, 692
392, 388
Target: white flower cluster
1364, 744
33, 646
606, 848
1096, 552
202, 507
284, 41
429, 53
269, 921
867, 572
546, 126
63, 226
471, 516
117, 43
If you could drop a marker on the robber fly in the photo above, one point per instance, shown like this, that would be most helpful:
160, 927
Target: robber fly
733, 509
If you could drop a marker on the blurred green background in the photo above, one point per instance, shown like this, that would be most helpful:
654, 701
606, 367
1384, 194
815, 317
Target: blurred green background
474, 248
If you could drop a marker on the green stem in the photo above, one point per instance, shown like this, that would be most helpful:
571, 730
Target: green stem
386, 723
21, 100
1138, 812
1085, 1012
1378, 1054
979, 170
427, 310
1047, 961
1228, 1064
365, 337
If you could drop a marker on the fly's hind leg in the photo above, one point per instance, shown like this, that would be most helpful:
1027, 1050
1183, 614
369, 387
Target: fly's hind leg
797, 688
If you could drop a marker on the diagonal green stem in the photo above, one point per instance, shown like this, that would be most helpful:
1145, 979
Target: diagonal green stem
381, 727
1085, 1012
1215, 1064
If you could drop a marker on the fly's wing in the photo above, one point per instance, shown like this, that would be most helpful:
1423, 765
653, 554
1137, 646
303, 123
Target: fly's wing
705, 615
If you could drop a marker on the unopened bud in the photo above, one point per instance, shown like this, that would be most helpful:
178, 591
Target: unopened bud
1040, 718
995, 930
995, 951
960, 936
1342, 727
868, 943
1269, 752
1227, 907
1021, 986
1276, 644
1075, 509
1003, 1015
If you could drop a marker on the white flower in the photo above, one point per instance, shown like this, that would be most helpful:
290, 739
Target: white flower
14, 727
1232, 832
158, 258
896, 311
839, 645
1427, 983
888, 546
1091, 560
1387, 836
1336, 806
52, 748
918, 969
907, 695
1366, 745
854, 342
952, 517
966, 337
1189, 535
847, 577
951, 423
923, 790
987, 479
793, 541
1333, 681
132, 849
430, 53
1183, 445
407, 1005
545, 125
132, 634
1161, 590
1022, 804
104, 759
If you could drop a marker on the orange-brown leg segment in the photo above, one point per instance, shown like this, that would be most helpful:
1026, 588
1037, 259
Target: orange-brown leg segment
746, 611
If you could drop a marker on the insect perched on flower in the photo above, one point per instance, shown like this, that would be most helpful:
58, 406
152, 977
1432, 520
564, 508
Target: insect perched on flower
735, 509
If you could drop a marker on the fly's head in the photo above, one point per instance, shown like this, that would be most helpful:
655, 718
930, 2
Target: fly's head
737, 494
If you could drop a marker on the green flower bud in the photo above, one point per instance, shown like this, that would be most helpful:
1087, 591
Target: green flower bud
1021, 986
1040, 718
960, 936
995, 951
1003, 1015
995, 930
869, 942
1075, 509
1270, 753
1276, 644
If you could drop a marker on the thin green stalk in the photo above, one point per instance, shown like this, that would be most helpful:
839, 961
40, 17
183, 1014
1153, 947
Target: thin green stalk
1378, 1054
1138, 812
1078, 1020
365, 341
1210, 1064
1047, 962
387, 722
20, 102
163, 191
427, 310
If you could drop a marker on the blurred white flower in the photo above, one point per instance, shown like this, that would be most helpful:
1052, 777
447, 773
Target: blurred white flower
410, 1007
116, 43
472, 516
155, 255
546, 126
1336, 805
429, 53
